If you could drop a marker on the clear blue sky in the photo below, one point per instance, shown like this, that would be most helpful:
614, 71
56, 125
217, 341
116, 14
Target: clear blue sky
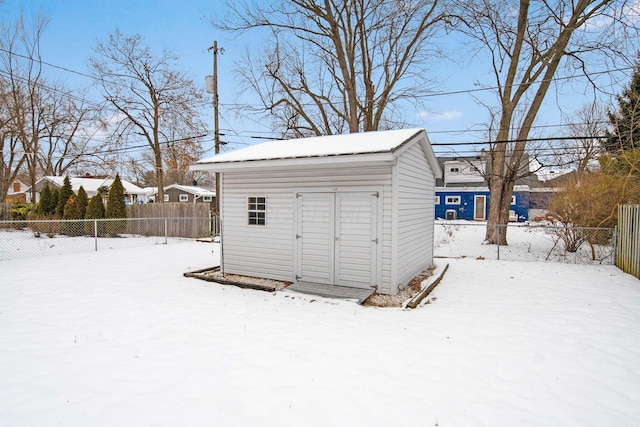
183, 27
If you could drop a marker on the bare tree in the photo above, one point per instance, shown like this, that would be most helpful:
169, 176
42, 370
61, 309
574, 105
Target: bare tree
338, 66
527, 43
46, 128
588, 126
26, 98
151, 97
69, 135
11, 156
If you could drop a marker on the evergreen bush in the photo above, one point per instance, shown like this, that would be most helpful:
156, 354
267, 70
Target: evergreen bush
71, 226
95, 210
47, 205
55, 196
65, 193
82, 201
116, 208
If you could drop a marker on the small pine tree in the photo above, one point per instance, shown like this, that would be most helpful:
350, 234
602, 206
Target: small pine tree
65, 193
46, 206
71, 227
71, 208
55, 196
95, 210
82, 201
116, 208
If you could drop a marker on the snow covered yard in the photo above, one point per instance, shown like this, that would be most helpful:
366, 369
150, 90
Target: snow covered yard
121, 338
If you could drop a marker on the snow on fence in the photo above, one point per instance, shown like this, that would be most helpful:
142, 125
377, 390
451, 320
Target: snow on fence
628, 250
526, 242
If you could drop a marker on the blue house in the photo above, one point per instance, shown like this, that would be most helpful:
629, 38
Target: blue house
462, 191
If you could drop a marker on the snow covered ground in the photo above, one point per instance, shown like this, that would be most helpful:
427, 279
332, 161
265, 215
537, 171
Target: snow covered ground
121, 338
527, 242
451, 239
16, 244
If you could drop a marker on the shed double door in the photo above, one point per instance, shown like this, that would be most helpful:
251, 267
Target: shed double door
336, 238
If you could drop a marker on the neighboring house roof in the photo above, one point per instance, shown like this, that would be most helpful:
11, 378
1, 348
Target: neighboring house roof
197, 191
531, 180
91, 185
366, 146
548, 174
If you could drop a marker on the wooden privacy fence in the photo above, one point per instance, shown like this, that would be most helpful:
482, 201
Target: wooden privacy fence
191, 220
628, 252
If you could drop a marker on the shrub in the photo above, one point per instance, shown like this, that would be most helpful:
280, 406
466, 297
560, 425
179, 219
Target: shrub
95, 210
71, 215
47, 205
20, 212
49, 228
82, 202
64, 194
116, 208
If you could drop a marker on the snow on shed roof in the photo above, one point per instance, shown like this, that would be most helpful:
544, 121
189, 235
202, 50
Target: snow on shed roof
321, 146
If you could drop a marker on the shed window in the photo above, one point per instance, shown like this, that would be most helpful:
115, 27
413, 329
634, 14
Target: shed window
437, 200
166, 197
454, 170
207, 198
513, 200
184, 197
453, 200
257, 210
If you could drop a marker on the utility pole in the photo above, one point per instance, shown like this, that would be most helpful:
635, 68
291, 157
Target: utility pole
216, 128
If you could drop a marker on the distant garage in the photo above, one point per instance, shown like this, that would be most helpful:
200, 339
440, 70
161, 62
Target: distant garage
352, 210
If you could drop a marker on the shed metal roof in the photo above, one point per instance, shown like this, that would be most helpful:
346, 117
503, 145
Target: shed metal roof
331, 146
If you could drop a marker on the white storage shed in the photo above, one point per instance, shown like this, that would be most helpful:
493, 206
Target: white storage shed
351, 210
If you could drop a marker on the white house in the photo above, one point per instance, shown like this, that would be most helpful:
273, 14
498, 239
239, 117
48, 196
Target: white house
91, 186
350, 210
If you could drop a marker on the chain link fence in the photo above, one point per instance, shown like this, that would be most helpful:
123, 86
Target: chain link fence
33, 238
452, 239
526, 242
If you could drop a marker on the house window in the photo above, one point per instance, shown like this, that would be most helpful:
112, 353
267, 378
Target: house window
453, 200
207, 198
513, 200
454, 170
257, 210
166, 197
437, 201
184, 197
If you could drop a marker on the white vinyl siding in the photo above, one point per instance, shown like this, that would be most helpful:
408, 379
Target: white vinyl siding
415, 193
268, 251
356, 246
316, 237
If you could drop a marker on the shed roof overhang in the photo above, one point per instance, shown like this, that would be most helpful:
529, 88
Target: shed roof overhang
370, 159
368, 148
